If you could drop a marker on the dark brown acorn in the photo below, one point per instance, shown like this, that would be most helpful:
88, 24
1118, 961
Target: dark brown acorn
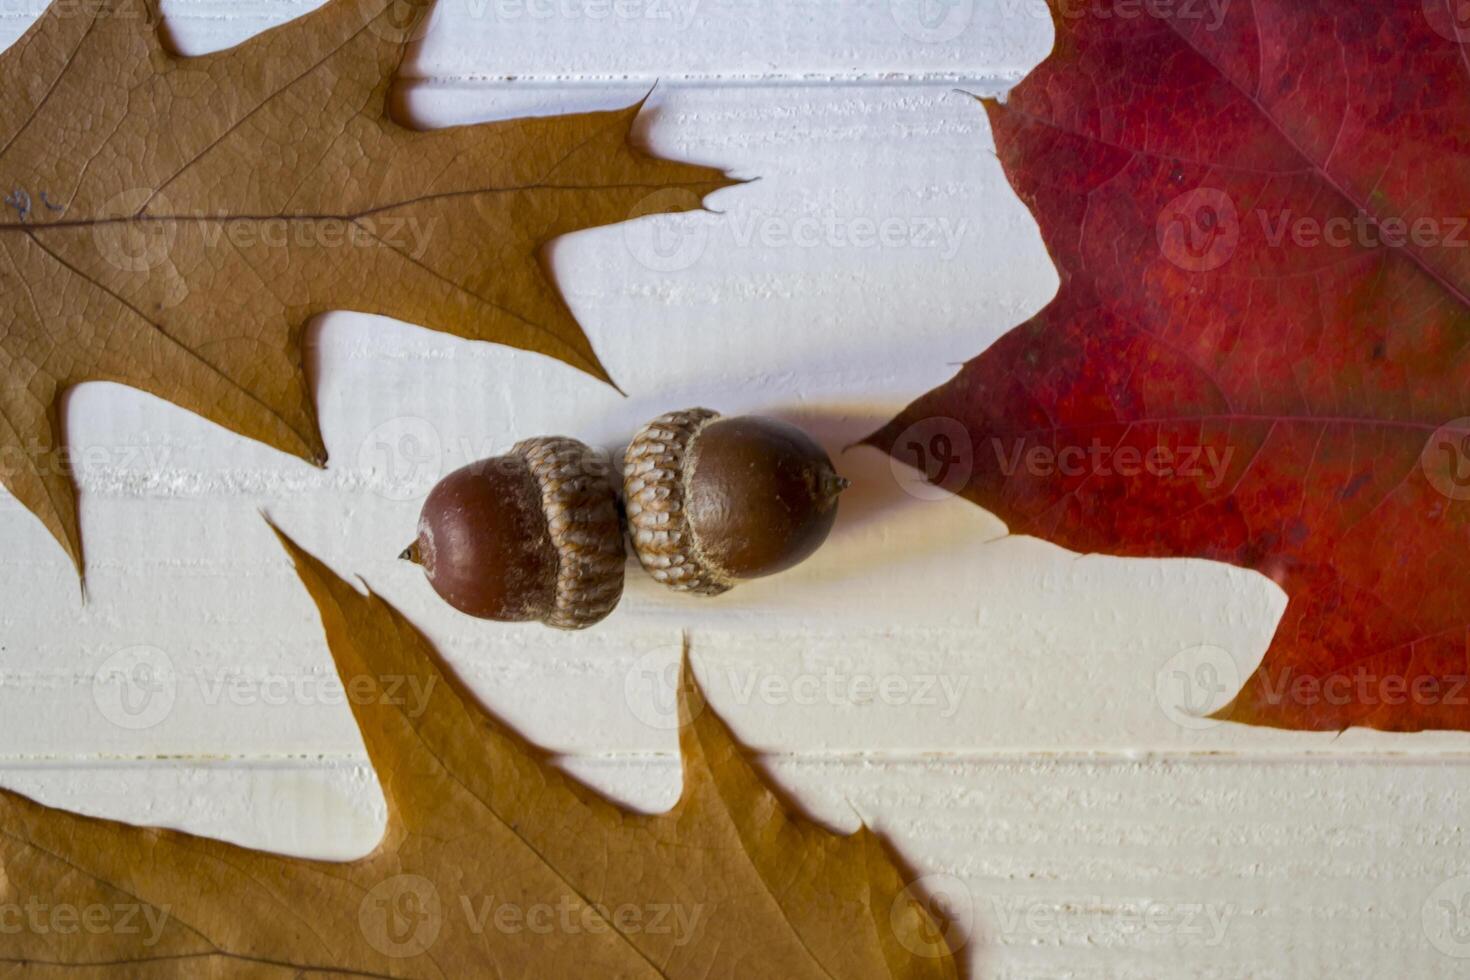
713, 500
532, 535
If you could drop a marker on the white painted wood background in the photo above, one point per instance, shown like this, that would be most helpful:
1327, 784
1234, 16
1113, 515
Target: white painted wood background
1034, 750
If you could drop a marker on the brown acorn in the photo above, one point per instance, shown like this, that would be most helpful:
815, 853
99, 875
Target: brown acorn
532, 535
712, 500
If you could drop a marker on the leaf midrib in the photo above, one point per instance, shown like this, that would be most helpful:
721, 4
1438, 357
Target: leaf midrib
27, 227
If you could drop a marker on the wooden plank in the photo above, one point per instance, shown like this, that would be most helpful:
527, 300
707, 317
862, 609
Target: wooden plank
1022, 722
580, 41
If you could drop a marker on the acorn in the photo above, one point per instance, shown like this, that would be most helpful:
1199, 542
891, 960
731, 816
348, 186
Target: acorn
712, 500
532, 535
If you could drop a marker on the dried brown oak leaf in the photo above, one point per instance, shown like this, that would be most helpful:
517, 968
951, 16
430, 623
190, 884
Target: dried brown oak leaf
173, 223
494, 862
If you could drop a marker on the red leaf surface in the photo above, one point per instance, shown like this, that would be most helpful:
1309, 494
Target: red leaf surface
1258, 352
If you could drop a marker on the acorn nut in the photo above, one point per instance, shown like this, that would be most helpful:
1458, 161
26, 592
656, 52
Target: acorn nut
712, 500
532, 535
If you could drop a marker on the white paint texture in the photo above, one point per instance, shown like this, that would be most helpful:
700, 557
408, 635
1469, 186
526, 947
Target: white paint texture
1006, 712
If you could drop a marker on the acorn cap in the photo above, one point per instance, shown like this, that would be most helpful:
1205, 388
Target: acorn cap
581, 513
654, 498
713, 500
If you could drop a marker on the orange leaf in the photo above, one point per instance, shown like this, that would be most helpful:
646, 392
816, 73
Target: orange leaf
173, 223
493, 862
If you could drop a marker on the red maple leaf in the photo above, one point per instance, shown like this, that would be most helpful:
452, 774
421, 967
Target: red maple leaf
1258, 352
